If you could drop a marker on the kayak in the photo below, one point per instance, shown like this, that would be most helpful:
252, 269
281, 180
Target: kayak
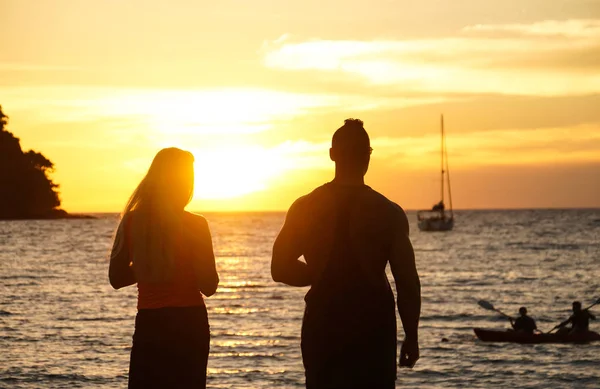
519, 337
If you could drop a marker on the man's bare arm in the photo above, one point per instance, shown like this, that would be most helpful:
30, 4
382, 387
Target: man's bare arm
285, 264
408, 287
564, 323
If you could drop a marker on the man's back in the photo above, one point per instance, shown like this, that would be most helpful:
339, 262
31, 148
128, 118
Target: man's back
347, 236
581, 320
349, 327
525, 324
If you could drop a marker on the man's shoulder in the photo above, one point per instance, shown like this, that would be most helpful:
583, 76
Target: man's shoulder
300, 204
388, 211
315, 193
376, 199
387, 206
383, 200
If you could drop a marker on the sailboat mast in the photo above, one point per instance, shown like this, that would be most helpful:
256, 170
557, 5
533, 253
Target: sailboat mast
448, 177
442, 159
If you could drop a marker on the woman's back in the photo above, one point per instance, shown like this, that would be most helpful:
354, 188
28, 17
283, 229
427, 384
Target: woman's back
168, 253
182, 289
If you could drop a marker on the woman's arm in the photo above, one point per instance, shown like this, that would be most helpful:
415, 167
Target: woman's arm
120, 272
204, 256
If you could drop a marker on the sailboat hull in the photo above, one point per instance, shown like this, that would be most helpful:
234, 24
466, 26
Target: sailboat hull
436, 224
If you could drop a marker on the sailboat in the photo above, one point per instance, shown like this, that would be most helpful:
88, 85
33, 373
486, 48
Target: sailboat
438, 218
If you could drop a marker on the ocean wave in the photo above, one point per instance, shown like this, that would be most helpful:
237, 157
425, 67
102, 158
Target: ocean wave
50, 378
243, 285
546, 246
85, 319
25, 277
457, 317
218, 334
251, 355
23, 284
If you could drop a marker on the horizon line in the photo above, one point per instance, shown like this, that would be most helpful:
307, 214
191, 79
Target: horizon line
406, 210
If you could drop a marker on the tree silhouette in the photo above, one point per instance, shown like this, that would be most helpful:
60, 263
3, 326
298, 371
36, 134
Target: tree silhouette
26, 190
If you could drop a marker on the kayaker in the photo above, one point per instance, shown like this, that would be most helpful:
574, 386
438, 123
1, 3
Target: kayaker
580, 321
524, 323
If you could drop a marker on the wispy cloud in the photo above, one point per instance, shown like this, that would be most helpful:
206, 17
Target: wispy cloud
469, 62
30, 67
577, 28
498, 147
501, 147
185, 113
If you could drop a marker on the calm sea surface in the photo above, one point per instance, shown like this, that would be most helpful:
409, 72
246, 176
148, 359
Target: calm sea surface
62, 325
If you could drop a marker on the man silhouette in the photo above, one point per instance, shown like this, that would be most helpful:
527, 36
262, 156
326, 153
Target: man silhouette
524, 323
580, 321
347, 233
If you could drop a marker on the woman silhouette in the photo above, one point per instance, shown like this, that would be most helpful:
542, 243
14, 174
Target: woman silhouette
168, 252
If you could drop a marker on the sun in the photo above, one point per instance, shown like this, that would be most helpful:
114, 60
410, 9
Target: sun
231, 172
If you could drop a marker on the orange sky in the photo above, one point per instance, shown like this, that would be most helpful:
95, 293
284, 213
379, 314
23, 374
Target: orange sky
256, 88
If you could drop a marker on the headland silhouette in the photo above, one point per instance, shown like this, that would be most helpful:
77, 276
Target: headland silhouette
26, 189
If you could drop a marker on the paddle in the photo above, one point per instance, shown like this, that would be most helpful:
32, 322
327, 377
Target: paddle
490, 307
595, 303
557, 326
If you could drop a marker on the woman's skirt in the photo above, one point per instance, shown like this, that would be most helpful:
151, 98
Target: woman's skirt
170, 348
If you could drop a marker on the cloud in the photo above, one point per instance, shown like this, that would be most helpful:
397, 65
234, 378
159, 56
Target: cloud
501, 147
28, 67
464, 63
578, 28
178, 114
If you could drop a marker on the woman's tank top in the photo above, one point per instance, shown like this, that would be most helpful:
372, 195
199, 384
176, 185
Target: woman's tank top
181, 291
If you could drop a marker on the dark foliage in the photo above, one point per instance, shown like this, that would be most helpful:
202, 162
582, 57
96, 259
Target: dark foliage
26, 191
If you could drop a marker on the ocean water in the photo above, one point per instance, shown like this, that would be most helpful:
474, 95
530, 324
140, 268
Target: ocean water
62, 325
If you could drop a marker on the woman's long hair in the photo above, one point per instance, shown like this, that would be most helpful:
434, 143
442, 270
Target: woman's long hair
153, 215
